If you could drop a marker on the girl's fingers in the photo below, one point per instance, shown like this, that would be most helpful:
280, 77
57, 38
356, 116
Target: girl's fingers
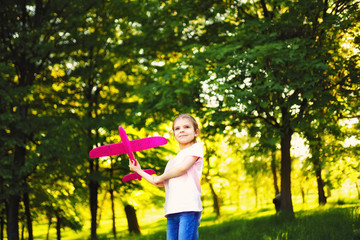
131, 164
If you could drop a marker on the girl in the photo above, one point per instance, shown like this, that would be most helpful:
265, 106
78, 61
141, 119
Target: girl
181, 180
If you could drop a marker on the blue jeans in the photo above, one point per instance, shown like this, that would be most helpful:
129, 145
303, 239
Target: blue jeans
183, 226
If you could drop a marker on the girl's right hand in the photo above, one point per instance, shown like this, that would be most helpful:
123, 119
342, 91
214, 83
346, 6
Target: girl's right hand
134, 166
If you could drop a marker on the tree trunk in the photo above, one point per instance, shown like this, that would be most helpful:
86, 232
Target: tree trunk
316, 148
302, 190
22, 231
358, 189
14, 199
93, 163
26, 201
58, 227
320, 183
286, 201
12, 217
238, 197
100, 208
274, 172
256, 195
93, 189
133, 224
112, 200
2, 228
48, 230
216, 202
113, 212
2, 219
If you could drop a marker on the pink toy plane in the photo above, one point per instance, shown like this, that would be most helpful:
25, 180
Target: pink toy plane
128, 147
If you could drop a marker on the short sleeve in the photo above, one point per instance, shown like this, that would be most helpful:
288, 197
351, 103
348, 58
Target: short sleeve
195, 150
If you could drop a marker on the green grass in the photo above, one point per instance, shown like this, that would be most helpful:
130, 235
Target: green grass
324, 223
331, 222
320, 224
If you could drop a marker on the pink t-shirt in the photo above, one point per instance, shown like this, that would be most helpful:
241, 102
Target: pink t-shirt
183, 193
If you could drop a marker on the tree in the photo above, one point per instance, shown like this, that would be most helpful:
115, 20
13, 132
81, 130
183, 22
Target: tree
101, 79
261, 60
33, 38
315, 135
275, 63
212, 152
267, 146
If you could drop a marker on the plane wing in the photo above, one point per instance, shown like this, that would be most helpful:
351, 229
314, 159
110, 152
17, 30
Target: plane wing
133, 176
146, 143
107, 150
119, 148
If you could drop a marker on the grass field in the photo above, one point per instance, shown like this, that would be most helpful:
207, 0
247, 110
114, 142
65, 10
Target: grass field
332, 222
325, 223
336, 221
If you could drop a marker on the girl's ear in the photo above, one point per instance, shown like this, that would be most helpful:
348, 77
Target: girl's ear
197, 132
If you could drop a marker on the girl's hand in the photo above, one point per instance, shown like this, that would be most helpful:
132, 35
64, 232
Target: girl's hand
133, 167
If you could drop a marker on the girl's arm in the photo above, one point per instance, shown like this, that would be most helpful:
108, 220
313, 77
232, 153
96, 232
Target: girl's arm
177, 170
143, 174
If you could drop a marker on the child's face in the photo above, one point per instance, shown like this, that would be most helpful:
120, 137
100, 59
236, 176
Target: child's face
184, 132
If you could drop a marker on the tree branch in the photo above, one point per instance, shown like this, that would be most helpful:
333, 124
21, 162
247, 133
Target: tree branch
265, 10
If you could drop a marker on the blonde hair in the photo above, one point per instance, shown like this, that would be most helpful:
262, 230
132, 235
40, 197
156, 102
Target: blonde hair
192, 120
